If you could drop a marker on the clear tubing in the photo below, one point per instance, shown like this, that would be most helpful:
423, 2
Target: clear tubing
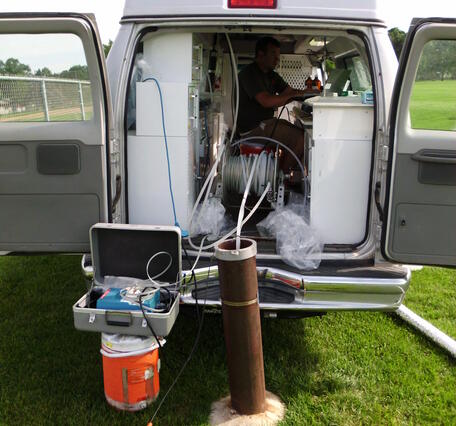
255, 207
236, 81
244, 199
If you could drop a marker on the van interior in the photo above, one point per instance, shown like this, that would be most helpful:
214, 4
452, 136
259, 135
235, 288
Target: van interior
183, 83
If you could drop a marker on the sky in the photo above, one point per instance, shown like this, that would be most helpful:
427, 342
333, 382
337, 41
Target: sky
396, 13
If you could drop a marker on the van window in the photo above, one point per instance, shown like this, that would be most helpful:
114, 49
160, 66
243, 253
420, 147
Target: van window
359, 74
43, 77
433, 100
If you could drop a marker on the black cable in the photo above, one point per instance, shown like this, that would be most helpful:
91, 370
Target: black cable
276, 122
195, 345
195, 281
186, 256
147, 320
208, 142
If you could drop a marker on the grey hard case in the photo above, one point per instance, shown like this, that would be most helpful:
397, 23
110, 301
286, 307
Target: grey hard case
123, 250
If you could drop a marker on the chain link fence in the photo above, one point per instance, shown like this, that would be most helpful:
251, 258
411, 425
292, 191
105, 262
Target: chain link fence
44, 99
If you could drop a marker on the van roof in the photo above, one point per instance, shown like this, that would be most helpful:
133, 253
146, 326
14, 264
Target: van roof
365, 10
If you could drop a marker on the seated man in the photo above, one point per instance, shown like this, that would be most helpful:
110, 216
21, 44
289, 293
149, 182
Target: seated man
261, 91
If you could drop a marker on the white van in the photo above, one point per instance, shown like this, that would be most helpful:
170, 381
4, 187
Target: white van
380, 167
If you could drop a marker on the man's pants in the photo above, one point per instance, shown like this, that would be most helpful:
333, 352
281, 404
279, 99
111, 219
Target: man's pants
283, 131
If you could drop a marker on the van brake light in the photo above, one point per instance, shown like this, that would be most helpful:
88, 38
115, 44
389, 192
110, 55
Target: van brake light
252, 4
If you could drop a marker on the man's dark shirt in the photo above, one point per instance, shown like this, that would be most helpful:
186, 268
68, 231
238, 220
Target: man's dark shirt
251, 82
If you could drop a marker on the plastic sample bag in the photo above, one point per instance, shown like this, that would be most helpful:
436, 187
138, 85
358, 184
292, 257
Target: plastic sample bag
210, 219
297, 243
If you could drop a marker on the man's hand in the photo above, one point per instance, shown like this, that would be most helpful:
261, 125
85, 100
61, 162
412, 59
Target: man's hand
266, 100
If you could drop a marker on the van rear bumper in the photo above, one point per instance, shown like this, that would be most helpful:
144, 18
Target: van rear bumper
281, 290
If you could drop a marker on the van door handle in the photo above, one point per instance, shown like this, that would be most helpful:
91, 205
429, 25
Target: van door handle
441, 156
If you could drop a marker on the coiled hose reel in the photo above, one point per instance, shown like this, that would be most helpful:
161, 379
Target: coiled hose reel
237, 169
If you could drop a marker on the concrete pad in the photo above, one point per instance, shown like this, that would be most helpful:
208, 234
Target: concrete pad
223, 414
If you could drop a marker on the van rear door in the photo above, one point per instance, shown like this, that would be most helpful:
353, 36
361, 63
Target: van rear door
54, 128
421, 192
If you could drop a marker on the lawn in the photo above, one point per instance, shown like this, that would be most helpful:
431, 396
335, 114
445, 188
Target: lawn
433, 105
343, 368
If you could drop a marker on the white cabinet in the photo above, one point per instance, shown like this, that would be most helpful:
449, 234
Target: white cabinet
149, 197
340, 165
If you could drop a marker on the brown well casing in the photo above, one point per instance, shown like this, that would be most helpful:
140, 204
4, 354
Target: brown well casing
242, 326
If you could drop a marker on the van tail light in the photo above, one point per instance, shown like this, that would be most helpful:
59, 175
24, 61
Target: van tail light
252, 4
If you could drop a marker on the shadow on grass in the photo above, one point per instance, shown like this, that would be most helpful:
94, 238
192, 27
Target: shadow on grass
51, 373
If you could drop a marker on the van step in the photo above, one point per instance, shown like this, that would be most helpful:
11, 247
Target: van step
267, 294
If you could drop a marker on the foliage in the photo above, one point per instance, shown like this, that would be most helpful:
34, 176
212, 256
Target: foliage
397, 38
43, 72
13, 66
76, 72
107, 48
438, 61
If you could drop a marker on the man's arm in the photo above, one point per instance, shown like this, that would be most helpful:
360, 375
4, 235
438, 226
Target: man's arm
266, 100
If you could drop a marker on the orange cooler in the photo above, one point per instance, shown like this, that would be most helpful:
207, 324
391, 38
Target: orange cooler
130, 371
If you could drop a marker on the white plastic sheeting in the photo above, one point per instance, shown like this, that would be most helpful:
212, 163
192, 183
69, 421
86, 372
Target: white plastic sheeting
210, 219
298, 243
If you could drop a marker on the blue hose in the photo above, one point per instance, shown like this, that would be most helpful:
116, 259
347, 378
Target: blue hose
176, 223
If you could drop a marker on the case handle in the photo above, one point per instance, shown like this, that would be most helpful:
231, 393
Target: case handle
119, 319
86, 266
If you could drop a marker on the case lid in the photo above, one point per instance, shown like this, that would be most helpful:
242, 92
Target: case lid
124, 250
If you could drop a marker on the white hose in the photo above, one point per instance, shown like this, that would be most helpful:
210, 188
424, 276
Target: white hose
226, 236
208, 183
236, 81
244, 199
429, 330
237, 169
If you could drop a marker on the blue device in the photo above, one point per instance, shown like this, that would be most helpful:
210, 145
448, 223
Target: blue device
126, 299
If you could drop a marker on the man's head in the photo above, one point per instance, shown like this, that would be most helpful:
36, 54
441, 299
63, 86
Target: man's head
267, 53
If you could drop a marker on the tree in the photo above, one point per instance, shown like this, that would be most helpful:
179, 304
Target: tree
438, 61
13, 66
44, 72
397, 38
107, 48
76, 72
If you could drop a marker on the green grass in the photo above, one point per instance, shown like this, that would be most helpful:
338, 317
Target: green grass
344, 368
433, 295
433, 105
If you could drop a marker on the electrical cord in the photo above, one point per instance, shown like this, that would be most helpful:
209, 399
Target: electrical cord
148, 322
277, 122
195, 345
176, 223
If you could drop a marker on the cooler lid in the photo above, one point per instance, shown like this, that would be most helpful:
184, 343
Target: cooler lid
124, 250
